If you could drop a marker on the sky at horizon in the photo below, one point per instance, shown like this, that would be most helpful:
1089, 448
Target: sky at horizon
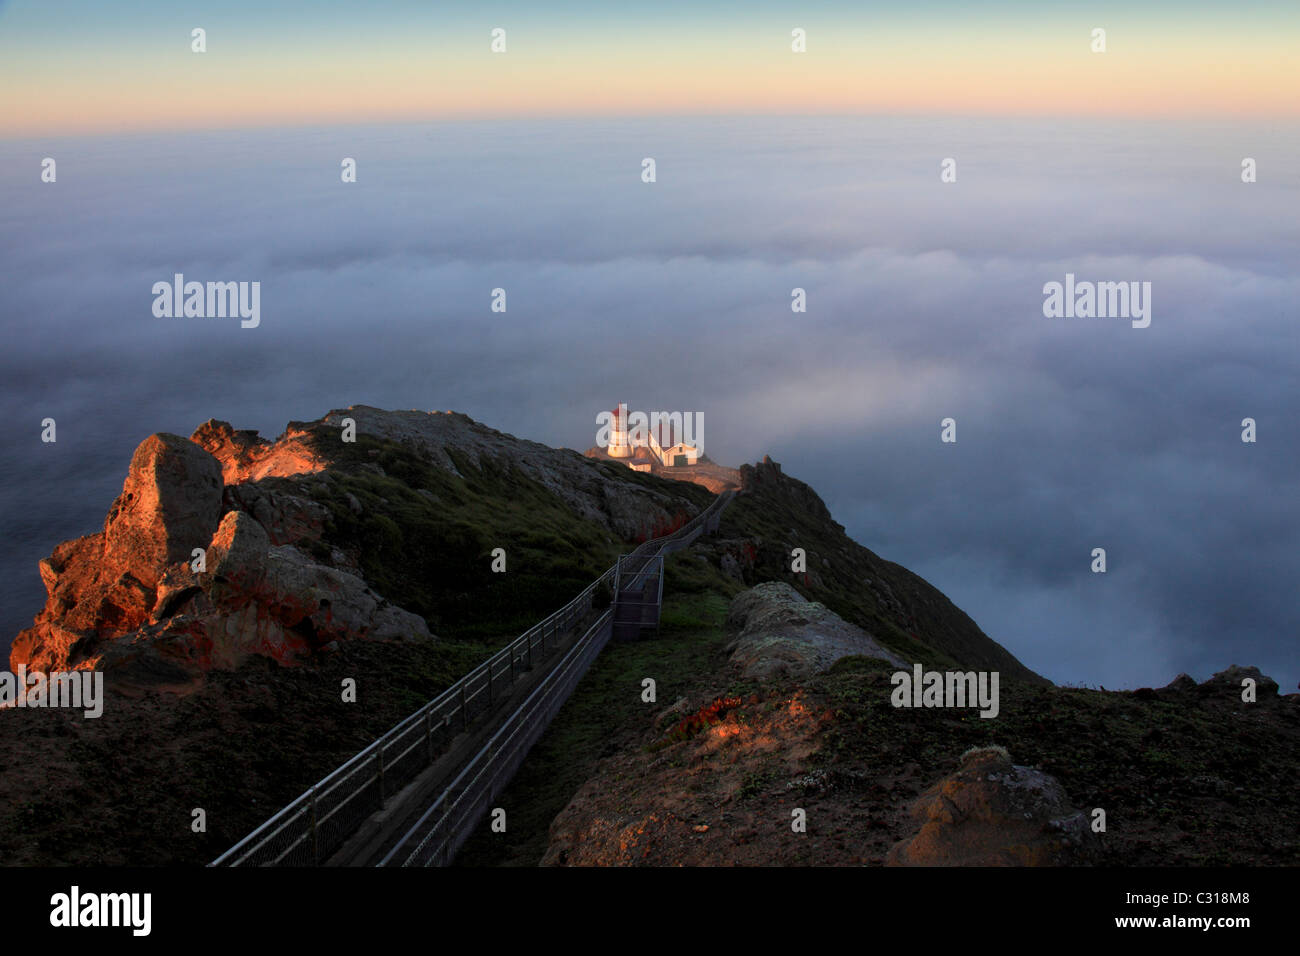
77, 66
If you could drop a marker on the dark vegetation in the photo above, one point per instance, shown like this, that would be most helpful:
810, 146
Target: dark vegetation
424, 539
605, 716
905, 613
122, 788
1186, 777
1190, 777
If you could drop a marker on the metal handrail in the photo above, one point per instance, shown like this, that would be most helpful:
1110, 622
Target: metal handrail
519, 721
259, 846
501, 755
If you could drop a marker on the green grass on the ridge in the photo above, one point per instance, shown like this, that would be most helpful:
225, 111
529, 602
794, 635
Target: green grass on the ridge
431, 552
1182, 777
929, 629
604, 715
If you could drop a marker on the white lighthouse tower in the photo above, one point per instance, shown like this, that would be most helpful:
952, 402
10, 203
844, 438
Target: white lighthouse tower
618, 443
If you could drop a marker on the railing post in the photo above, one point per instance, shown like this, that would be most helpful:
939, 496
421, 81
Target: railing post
315, 843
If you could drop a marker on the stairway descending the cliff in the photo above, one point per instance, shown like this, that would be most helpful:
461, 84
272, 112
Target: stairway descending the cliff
415, 795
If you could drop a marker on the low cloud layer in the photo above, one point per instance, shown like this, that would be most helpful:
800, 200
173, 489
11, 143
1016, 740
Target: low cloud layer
924, 302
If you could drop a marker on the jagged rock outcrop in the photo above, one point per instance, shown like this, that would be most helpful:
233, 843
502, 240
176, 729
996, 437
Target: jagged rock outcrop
991, 812
286, 517
130, 598
1229, 681
782, 632
108, 583
276, 579
278, 602
170, 504
245, 456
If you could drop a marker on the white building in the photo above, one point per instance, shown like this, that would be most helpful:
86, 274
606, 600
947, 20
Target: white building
625, 443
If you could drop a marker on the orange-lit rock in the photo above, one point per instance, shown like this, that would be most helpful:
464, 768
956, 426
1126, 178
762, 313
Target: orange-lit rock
287, 539
106, 584
992, 812
170, 504
127, 598
245, 456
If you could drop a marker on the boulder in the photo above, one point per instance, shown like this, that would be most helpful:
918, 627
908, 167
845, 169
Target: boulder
991, 812
275, 601
238, 552
1229, 681
127, 599
783, 633
287, 518
170, 504
48, 646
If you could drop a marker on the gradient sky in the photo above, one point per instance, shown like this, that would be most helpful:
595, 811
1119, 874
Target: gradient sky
68, 67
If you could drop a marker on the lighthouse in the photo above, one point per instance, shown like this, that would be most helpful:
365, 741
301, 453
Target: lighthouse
618, 443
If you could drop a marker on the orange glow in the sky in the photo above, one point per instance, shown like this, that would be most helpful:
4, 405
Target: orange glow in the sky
979, 73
